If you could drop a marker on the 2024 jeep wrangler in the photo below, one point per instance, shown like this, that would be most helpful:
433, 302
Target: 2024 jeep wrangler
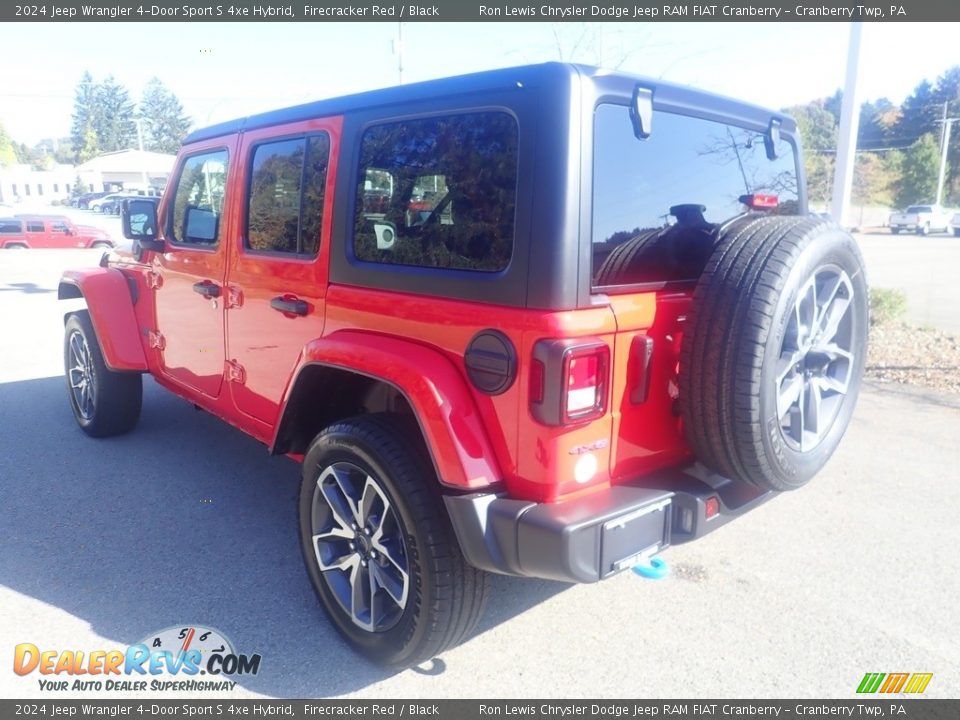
542, 321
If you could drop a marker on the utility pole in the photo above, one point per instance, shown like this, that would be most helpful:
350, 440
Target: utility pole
946, 124
398, 49
143, 173
849, 128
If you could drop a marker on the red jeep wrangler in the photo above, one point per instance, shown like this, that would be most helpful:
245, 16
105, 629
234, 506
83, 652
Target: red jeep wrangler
542, 321
23, 232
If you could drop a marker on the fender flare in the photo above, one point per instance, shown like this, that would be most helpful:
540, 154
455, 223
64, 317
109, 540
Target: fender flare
110, 305
432, 385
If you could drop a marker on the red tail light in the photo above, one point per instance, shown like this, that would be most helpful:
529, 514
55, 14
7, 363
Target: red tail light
569, 381
585, 372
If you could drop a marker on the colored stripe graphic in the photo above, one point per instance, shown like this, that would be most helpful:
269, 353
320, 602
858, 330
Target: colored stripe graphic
870, 682
907, 683
918, 682
894, 682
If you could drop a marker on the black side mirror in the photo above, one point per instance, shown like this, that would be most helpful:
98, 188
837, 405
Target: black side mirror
139, 219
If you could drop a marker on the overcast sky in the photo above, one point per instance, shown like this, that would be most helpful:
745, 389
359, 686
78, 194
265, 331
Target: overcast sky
222, 71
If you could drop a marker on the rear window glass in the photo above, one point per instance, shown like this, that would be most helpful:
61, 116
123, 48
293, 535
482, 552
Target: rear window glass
914, 209
438, 192
657, 202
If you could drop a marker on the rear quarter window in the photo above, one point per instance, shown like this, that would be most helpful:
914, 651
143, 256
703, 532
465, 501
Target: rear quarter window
657, 202
438, 192
10, 227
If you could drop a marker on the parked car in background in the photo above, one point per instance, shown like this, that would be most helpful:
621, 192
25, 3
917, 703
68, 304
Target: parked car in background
921, 219
110, 205
24, 232
112, 202
955, 224
83, 201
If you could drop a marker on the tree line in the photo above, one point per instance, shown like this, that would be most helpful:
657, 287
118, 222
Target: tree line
104, 119
898, 147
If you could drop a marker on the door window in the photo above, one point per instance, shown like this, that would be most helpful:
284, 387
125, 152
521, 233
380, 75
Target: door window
286, 194
198, 200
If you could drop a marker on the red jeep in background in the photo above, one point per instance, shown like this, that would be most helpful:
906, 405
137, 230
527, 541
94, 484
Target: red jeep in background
542, 321
48, 232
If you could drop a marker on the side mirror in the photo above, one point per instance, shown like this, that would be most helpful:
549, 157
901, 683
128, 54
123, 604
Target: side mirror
200, 225
139, 219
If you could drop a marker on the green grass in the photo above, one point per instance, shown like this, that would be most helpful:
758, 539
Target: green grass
887, 305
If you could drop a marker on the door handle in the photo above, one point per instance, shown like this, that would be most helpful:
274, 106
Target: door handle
207, 289
289, 306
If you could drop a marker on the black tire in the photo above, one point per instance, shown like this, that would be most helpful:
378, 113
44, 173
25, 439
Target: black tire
113, 407
895, 230
101, 245
956, 232
15, 246
924, 230
743, 330
445, 596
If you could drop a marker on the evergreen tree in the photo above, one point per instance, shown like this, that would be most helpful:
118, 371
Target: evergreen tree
115, 128
165, 124
86, 118
918, 172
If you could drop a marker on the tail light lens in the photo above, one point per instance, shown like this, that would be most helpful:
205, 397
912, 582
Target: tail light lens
569, 381
585, 372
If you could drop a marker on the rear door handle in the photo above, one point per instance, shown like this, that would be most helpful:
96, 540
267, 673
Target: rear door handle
207, 289
290, 306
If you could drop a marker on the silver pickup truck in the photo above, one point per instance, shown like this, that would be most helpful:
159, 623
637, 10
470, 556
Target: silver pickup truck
921, 219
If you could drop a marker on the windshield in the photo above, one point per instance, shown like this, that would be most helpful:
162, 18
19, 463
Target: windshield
657, 202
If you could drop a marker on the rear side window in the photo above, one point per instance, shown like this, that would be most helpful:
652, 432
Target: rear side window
198, 199
285, 200
34, 227
10, 227
438, 192
657, 202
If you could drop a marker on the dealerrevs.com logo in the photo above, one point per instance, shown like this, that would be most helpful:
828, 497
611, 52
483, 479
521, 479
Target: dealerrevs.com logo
181, 652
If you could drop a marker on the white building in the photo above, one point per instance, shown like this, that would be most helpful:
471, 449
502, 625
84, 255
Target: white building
126, 170
21, 183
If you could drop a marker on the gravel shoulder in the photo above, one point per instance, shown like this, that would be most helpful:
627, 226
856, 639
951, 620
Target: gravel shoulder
906, 354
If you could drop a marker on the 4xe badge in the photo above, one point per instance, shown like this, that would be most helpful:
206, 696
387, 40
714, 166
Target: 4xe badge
180, 651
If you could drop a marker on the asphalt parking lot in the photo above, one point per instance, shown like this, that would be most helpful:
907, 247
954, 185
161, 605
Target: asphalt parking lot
186, 520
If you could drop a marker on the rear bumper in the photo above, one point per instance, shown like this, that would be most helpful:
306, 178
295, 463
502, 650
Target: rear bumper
593, 537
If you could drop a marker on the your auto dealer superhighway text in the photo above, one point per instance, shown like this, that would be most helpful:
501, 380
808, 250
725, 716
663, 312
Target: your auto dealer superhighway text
564, 12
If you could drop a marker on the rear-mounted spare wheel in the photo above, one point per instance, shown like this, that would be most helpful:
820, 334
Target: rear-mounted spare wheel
774, 349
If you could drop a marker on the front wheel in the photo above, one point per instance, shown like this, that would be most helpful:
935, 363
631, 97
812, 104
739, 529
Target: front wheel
895, 230
104, 402
924, 230
378, 545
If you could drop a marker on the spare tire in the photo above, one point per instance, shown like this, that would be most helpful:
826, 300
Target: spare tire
773, 349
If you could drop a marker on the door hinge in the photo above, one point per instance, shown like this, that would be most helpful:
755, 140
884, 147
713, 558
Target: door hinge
235, 372
156, 340
154, 279
234, 298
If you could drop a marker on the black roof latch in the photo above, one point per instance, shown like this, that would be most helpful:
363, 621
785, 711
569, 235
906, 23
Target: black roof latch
641, 112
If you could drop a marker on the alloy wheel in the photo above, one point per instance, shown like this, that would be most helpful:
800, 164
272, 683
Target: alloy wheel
359, 547
80, 370
817, 361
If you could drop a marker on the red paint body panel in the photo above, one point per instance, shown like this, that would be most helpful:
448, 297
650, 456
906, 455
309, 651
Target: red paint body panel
436, 390
111, 311
260, 338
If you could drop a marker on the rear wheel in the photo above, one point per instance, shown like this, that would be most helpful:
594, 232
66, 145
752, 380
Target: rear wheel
378, 544
101, 245
774, 350
104, 402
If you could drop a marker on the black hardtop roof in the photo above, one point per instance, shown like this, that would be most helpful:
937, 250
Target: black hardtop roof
544, 74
